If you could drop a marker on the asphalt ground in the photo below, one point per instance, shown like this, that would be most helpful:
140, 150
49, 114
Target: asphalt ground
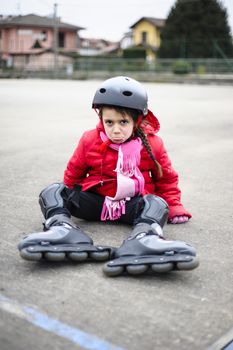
75, 306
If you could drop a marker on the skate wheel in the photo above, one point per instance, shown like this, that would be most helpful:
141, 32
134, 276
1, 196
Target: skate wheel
162, 267
54, 256
25, 254
136, 269
81, 256
189, 265
99, 256
112, 271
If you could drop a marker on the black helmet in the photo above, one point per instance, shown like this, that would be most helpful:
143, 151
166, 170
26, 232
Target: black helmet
122, 91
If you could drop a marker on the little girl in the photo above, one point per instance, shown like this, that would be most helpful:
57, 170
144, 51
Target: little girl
120, 171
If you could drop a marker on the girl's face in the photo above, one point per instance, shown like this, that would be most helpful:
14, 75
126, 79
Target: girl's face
118, 127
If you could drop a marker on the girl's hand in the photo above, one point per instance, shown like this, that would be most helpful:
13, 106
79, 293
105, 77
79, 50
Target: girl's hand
179, 219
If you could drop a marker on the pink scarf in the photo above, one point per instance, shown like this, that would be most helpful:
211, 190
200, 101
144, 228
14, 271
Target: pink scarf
130, 180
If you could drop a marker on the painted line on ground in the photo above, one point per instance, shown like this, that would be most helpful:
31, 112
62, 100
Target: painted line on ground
223, 343
41, 320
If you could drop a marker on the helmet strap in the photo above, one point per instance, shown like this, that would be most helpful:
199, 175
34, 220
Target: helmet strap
96, 111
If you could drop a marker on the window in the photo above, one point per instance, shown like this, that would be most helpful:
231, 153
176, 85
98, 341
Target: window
61, 39
144, 37
44, 35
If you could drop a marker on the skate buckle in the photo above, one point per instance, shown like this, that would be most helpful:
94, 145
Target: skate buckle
171, 252
44, 243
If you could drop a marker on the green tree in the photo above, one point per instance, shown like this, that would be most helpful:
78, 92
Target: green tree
196, 29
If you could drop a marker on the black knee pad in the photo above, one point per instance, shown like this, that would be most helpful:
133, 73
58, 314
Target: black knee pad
50, 198
155, 210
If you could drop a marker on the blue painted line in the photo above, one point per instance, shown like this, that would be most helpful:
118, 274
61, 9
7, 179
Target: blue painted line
41, 320
229, 346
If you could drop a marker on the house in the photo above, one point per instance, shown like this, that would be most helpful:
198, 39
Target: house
29, 41
95, 47
146, 34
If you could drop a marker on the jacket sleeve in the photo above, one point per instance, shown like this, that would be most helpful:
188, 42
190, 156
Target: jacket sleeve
167, 186
76, 168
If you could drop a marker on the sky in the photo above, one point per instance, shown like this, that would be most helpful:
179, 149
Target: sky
107, 19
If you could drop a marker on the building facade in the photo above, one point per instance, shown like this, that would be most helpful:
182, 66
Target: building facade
146, 34
32, 40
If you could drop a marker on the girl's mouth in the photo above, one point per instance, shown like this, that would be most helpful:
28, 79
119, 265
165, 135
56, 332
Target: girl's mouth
118, 140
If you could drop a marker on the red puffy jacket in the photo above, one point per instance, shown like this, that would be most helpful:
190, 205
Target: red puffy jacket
94, 170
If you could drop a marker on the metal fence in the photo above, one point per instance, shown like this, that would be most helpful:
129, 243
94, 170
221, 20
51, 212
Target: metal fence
179, 66
84, 66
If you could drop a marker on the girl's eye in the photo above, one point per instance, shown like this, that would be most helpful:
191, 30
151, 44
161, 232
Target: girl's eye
108, 122
121, 122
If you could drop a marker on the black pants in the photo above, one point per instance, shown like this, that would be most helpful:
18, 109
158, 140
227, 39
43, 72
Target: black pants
88, 206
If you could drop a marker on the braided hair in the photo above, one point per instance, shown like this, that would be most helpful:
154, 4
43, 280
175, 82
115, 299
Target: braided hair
139, 132
135, 115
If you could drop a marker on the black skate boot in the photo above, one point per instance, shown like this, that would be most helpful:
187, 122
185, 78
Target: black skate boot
146, 250
61, 239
